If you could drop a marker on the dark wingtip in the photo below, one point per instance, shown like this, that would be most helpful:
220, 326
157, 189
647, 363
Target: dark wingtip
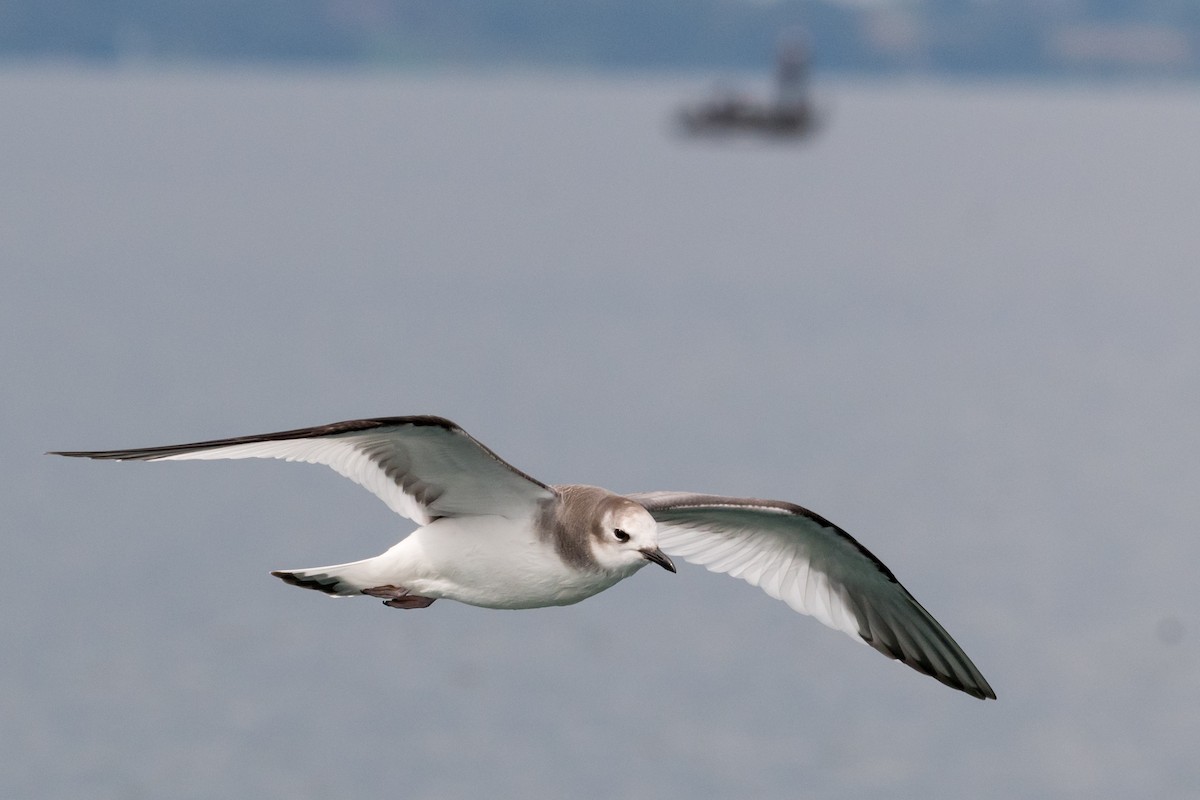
109, 455
978, 692
973, 684
985, 692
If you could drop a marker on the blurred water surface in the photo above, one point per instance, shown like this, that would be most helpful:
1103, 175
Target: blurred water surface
960, 322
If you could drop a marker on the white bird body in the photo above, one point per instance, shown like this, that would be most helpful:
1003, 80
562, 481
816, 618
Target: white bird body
490, 535
486, 561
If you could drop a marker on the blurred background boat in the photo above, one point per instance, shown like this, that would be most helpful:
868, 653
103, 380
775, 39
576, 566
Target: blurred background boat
790, 113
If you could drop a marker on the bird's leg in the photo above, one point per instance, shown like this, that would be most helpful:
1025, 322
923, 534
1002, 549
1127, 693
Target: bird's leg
399, 597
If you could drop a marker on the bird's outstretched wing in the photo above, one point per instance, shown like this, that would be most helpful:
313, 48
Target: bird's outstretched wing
816, 568
423, 467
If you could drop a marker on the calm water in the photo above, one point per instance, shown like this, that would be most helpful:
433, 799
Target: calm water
961, 322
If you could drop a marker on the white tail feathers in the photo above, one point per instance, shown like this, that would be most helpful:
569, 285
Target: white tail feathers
339, 580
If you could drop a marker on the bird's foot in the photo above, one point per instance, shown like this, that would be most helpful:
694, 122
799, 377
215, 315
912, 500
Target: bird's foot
399, 597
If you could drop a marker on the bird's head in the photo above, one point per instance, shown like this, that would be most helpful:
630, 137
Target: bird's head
625, 538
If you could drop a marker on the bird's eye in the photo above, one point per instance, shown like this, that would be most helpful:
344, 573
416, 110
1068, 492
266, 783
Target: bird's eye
621, 535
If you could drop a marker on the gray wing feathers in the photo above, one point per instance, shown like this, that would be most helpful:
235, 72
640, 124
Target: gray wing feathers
421, 467
816, 568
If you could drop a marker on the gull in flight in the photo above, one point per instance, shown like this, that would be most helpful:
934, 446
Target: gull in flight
492, 536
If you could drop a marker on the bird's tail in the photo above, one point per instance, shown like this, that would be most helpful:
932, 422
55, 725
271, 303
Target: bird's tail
339, 580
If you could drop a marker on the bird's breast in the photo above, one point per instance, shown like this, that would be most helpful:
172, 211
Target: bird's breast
495, 562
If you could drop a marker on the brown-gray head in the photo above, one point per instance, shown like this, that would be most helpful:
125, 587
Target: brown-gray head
599, 529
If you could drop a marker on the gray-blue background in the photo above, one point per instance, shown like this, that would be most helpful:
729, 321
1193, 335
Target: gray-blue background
962, 323
1095, 38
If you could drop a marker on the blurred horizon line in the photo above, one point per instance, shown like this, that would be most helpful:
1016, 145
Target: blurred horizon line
1117, 39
